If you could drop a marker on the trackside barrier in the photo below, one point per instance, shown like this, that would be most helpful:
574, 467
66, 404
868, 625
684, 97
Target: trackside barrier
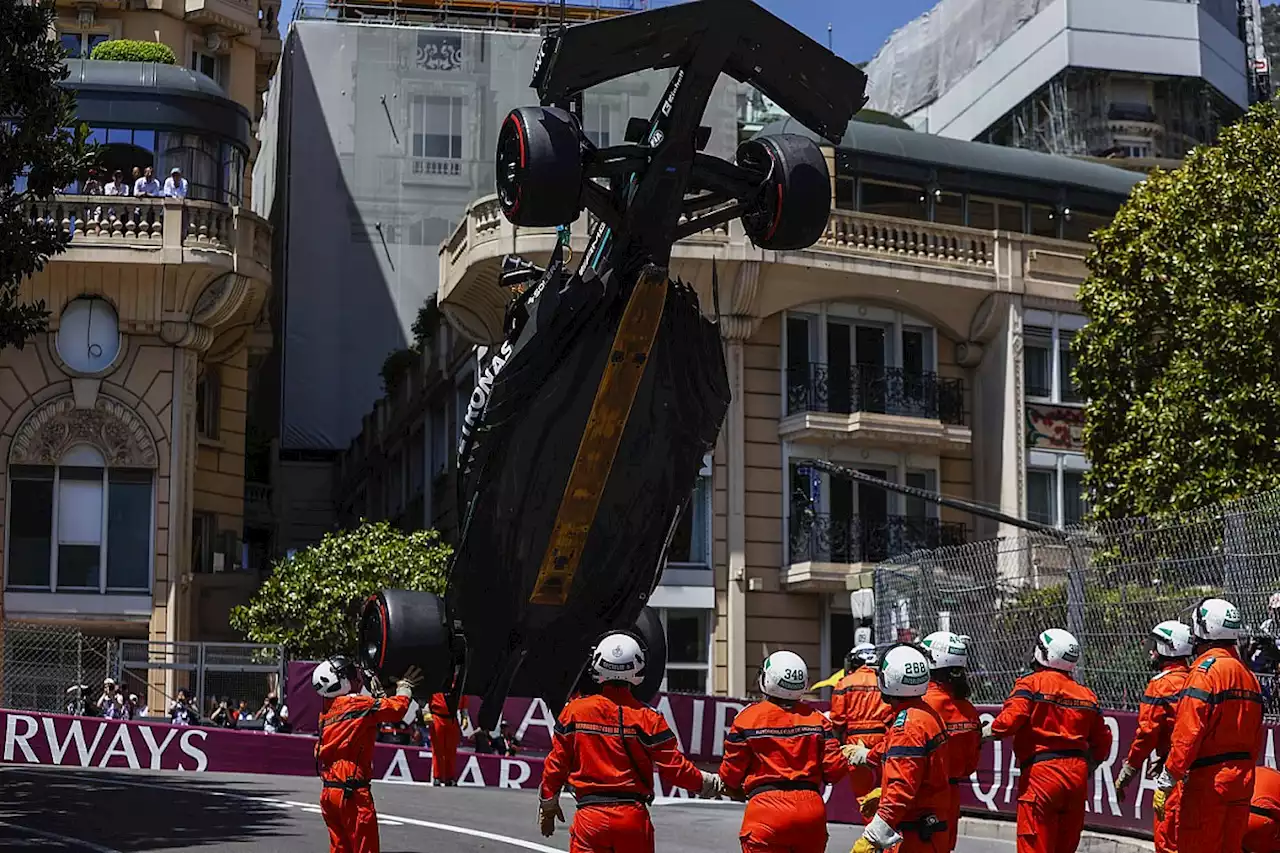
47, 739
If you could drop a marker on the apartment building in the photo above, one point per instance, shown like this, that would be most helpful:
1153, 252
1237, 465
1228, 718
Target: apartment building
925, 340
1137, 79
122, 430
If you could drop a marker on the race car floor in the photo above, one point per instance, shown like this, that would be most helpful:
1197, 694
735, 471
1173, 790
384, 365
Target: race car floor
55, 810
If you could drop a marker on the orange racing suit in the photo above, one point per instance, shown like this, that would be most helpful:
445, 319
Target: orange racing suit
1058, 736
964, 746
1155, 730
446, 734
1264, 813
348, 731
606, 747
915, 796
781, 758
858, 713
1217, 735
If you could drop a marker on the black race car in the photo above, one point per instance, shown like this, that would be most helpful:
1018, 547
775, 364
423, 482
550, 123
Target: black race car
589, 423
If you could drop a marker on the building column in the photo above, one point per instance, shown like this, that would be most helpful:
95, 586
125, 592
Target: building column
736, 328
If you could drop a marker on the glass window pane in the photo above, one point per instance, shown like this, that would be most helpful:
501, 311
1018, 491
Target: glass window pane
689, 544
1044, 221
78, 566
914, 507
904, 202
1080, 224
70, 43
1066, 367
1037, 354
687, 636
687, 681
94, 40
122, 135
129, 530
846, 193
30, 530
1011, 218
948, 208
982, 214
1074, 498
79, 509
843, 630
1042, 496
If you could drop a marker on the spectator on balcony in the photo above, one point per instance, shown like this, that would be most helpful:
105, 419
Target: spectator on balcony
111, 702
147, 185
175, 186
131, 709
92, 186
117, 185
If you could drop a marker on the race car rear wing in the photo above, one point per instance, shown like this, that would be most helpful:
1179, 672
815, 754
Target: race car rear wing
818, 88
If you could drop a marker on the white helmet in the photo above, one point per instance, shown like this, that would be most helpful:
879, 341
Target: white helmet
947, 649
332, 678
1173, 639
904, 672
1216, 619
865, 652
1057, 649
784, 675
618, 657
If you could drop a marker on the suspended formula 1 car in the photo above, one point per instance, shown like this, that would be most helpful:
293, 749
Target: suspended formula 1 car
590, 421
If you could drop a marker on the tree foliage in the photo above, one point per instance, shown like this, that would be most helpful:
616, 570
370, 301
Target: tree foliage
39, 154
1180, 360
131, 50
308, 603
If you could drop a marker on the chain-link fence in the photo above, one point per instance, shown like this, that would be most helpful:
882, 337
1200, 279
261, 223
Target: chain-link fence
1107, 583
44, 663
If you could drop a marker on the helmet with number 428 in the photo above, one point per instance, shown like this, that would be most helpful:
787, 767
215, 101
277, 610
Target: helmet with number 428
904, 672
784, 675
947, 650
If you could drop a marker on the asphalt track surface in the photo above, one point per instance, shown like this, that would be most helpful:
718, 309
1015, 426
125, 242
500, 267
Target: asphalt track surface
55, 810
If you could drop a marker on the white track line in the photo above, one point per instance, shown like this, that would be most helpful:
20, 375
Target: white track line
309, 807
61, 839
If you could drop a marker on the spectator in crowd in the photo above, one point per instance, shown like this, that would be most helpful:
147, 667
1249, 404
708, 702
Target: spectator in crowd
131, 710
78, 703
117, 184
111, 703
147, 185
285, 726
1271, 625
270, 715
221, 715
175, 186
242, 713
92, 186
181, 713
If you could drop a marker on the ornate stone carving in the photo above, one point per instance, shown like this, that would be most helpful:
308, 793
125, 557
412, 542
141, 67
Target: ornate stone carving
220, 300
111, 427
739, 322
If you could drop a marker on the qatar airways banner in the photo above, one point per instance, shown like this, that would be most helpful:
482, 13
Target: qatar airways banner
48, 739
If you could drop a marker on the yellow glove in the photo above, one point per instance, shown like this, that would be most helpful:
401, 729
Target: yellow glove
862, 845
1158, 800
870, 804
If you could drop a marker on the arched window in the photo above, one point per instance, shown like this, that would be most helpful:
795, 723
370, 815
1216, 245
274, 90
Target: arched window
80, 526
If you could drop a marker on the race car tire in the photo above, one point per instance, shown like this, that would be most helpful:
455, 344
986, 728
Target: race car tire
649, 627
398, 629
539, 167
794, 203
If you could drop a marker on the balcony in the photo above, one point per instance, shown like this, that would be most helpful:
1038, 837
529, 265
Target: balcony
239, 17
826, 554
109, 229
948, 269
885, 406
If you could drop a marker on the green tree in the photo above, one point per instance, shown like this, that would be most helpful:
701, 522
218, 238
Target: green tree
131, 50
39, 154
308, 602
1179, 358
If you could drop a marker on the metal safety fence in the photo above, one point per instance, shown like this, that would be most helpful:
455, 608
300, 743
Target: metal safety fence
42, 663
208, 674
1108, 583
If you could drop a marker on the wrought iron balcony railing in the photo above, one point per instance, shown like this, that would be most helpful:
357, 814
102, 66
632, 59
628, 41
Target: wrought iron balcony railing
816, 537
817, 387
